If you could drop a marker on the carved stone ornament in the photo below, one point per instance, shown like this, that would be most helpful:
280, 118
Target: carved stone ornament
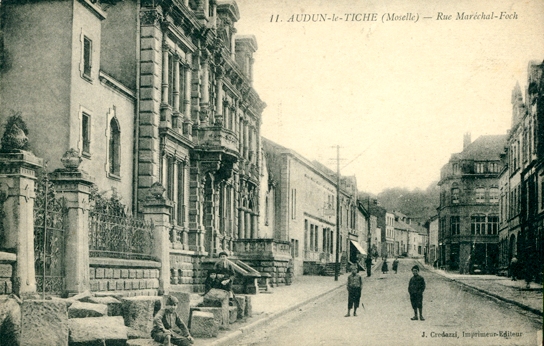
150, 17
71, 159
15, 135
156, 191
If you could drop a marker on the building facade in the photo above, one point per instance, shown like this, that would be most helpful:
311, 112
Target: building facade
522, 183
148, 93
469, 206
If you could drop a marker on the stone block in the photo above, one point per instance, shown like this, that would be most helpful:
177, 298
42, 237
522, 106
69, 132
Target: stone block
249, 307
5, 286
99, 273
10, 320
120, 285
97, 330
91, 273
111, 285
139, 273
132, 273
108, 273
124, 273
116, 273
139, 311
82, 310
5, 270
216, 298
147, 273
184, 307
114, 305
233, 314
142, 342
203, 325
95, 286
241, 305
44, 322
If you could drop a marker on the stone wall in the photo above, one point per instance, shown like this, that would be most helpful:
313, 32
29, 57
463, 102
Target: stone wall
276, 268
130, 278
186, 274
7, 260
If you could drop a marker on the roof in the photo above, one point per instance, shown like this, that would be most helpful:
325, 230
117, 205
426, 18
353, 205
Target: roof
484, 148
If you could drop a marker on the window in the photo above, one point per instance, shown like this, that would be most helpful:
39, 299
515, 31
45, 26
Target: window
87, 56
306, 235
542, 194
86, 133
266, 210
494, 167
115, 148
492, 224
494, 195
181, 194
312, 237
454, 194
293, 203
480, 195
455, 225
170, 77
316, 239
455, 168
479, 167
294, 247
477, 225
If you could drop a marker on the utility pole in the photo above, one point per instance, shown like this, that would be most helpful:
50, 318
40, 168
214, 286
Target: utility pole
337, 263
369, 235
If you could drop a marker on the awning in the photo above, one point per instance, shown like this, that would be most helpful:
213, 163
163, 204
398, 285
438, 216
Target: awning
358, 247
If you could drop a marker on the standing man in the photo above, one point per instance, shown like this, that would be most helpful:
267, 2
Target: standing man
368, 264
396, 264
416, 288
355, 286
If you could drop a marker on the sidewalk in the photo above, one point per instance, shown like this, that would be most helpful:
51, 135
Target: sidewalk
281, 300
500, 287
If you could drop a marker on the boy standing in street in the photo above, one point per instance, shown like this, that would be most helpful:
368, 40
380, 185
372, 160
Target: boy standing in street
416, 288
355, 286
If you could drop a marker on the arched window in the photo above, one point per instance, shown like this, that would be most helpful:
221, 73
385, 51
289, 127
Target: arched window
115, 148
480, 195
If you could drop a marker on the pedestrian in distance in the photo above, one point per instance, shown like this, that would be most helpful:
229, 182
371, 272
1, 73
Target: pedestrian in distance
168, 328
385, 267
368, 264
354, 286
416, 287
514, 268
396, 264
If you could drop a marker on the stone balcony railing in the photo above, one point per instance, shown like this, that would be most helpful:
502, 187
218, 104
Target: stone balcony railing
261, 248
217, 137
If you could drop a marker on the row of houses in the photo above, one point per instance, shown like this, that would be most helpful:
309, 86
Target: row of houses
492, 194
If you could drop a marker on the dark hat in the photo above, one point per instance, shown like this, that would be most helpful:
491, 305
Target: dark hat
223, 253
172, 300
415, 267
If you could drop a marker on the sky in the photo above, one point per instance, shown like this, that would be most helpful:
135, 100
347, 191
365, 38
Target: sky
395, 95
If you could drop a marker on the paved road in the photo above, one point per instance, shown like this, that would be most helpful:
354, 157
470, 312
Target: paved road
453, 314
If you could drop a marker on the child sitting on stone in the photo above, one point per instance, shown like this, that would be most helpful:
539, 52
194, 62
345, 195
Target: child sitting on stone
168, 328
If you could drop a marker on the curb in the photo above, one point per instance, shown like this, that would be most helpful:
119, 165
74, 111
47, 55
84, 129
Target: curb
496, 296
252, 326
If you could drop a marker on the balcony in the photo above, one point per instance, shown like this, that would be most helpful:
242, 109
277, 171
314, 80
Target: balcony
217, 138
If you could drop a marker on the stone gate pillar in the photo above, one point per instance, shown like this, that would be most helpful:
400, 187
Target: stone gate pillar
17, 177
158, 209
75, 186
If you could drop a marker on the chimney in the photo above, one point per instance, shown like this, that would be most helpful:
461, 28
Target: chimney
466, 140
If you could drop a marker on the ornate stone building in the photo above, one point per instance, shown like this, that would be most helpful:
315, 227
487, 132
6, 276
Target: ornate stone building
147, 93
522, 183
469, 206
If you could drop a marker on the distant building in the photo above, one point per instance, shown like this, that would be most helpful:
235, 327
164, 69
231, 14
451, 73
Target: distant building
432, 240
522, 180
304, 206
469, 206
